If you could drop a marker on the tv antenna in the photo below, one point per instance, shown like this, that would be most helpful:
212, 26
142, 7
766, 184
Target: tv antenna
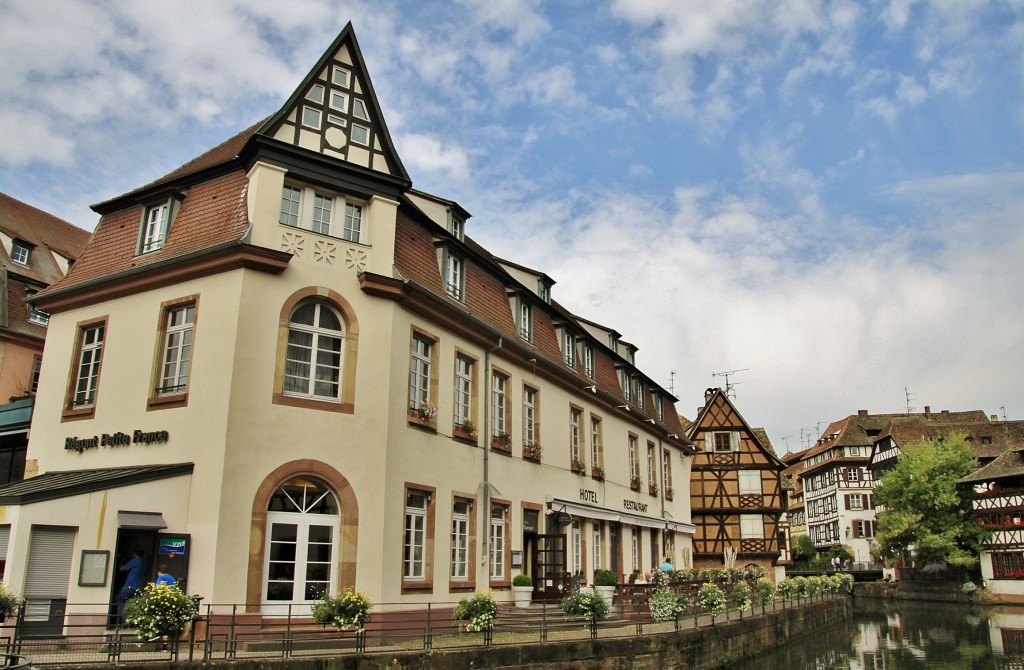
729, 393
672, 382
910, 396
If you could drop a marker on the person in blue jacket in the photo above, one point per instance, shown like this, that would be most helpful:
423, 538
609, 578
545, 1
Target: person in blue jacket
135, 568
164, 578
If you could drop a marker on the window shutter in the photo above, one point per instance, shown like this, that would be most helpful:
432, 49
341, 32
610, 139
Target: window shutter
871, 502
5, 538
847, 500
49, 562
734, 441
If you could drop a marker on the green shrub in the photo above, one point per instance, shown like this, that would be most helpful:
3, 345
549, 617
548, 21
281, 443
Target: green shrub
9, 602
345, 611
605, 578
585, 605
160, 610
764, 591
741, 596
665, 606
479, 611
522, 580
711, 598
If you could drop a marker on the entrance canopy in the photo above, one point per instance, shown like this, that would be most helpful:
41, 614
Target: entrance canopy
604, 514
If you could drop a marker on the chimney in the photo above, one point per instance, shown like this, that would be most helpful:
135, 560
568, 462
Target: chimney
995, 418
927, 412
862, 412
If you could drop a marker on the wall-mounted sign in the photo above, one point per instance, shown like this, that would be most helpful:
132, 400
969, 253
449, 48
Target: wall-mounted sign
588, 495
172, 546
118, 439
634, 506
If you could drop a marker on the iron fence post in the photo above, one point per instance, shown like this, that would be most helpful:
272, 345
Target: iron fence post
544, 622
428, 640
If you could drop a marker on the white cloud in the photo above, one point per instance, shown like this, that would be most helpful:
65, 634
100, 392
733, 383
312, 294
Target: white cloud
434, 158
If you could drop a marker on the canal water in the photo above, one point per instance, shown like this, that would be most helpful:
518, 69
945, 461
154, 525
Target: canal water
897, 635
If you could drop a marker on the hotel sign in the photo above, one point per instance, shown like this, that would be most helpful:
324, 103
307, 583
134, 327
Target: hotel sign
81, 444
590, 496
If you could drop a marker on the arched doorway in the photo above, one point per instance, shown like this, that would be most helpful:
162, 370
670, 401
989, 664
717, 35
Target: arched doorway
301, 551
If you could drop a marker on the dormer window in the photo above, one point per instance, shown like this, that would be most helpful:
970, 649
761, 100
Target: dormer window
454, 275
156, 224
543, 290
20, 253
659, 406
525, 320
588, 360
638, 391
569, 348
38, 317
624, 383
455, 225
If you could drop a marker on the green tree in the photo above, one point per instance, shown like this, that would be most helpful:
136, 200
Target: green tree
925, 511
803, 548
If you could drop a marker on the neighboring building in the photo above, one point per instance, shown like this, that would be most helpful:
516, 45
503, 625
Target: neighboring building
997, 489
36, 250
736, 495
281, 370
837, 484
988, 437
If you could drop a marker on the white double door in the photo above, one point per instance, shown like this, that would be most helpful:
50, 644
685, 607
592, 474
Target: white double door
301, 561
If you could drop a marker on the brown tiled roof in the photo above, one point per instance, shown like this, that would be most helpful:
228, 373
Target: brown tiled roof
1000, 435
1009, 465
212, 212
24, 222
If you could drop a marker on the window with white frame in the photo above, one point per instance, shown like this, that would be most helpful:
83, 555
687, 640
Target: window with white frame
638, 392
569, 348
313, 361
634, 466
751, 526
177, 350
454, 275
415, 548
543, 290
651, 470
750, 481
525, 320
311, 117
156, 220
455, 225
852, 474
497, 562
856, 501
588, 360
499, 404
596, 448
419, 372
308, 208
460, 540
666, 470
37, 367
624, 382
87, 365
574, 435
38, 317
463, 389
595, 545
530, 417
341, 77
360, 134
577, 547
659, 406
20, 253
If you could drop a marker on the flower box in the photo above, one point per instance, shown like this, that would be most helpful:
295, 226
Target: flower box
597, 473
634, 483
502, 442
652, 489
579, 467
465, 431
531, 452
668, 493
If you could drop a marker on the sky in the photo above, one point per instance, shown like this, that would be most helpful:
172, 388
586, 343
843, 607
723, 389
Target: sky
826, 197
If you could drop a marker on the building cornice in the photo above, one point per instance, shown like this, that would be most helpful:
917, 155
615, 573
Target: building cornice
214, 260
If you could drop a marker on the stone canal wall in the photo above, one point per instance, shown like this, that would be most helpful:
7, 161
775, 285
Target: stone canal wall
705, 648
903, 590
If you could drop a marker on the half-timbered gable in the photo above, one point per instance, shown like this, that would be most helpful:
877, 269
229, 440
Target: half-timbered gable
736, 495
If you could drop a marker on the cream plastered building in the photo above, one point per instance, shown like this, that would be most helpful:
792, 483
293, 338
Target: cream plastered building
281, 370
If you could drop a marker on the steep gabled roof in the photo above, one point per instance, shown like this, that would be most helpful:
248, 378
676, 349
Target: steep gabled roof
45, 233
720, 412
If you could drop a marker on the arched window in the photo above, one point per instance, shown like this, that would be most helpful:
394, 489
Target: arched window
313, 362
303, 520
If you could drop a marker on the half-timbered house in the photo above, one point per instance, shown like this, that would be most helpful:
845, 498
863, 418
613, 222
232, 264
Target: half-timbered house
736, 495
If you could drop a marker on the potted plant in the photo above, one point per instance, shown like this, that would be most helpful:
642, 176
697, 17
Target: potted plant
466, 429
652, 489
634, 483
579, 467
479, 611
502, 442
585, 605
160, 610
425, 412
532, 451
345, 611
597, 472
522, 590
605, 582
668, 493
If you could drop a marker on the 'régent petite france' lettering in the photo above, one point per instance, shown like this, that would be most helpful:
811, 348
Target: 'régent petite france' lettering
81, 444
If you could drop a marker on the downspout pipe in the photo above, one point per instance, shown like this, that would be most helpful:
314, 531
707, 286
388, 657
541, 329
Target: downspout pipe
485, 496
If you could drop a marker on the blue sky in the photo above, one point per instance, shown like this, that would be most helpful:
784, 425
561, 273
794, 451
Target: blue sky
827, 194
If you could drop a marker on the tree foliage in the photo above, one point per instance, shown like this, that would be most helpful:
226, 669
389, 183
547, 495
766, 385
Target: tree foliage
803, 548
925, 512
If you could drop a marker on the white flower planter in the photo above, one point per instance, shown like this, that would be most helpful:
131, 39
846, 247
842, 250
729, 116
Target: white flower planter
523, 595
607, 592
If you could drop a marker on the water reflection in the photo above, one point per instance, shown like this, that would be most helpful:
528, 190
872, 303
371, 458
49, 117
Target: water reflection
899, 635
